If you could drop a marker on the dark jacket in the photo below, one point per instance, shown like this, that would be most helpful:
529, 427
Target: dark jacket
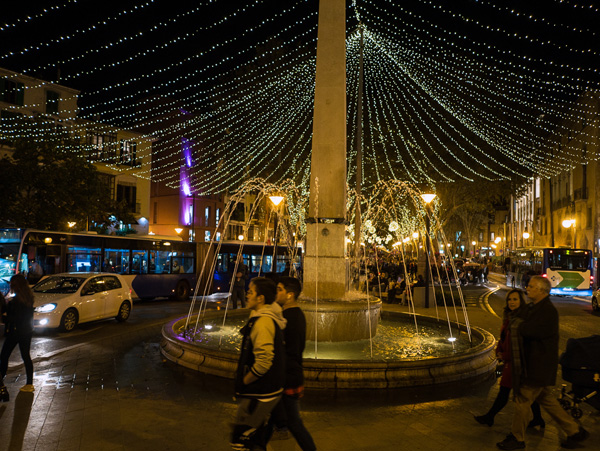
263, 354
295, 340
539, 330
19, 318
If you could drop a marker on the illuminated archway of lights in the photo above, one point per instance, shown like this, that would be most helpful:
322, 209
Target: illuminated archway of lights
460, 90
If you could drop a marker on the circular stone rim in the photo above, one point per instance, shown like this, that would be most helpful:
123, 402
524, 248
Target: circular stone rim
477, 363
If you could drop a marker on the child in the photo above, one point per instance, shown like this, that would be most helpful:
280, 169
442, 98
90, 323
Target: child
261, 368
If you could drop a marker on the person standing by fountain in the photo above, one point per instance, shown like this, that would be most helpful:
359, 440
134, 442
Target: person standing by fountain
260, 374
539, 332
287, 411
515, 307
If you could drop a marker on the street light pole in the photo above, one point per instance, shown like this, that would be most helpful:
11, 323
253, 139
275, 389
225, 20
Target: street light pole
427, 198
276, 201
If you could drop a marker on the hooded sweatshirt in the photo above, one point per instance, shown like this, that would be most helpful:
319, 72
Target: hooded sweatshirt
263, 353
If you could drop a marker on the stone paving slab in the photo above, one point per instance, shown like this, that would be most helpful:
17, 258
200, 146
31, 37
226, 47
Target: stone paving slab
120, 394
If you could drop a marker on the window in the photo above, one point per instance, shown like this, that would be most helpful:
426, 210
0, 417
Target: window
206, 216
218, 238
12, 92
109, 182
111, 283
159, 262
207, 235
217, 215
139, 262
102, 145
127, 193
128, 152
52, 100
116, 260
82, 259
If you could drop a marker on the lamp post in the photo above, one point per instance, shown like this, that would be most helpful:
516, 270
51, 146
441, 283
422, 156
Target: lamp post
473, 243
571, 223
525, 237
276, 201
427, 198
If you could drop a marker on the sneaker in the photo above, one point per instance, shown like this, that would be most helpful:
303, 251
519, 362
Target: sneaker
510, 442
485, 419
27, 388
574, 441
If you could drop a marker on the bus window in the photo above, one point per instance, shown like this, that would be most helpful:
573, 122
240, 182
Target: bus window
159, 262
82, 259
139, 262
255, 263
116, 260
182, 262
267, 262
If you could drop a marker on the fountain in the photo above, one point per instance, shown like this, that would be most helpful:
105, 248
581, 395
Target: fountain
333, 313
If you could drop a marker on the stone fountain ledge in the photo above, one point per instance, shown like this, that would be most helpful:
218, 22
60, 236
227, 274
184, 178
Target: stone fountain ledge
475, 364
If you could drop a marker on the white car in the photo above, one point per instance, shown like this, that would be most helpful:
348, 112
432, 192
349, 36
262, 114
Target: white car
65, 300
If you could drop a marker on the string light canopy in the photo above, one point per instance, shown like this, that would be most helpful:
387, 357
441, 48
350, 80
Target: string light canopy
452, 90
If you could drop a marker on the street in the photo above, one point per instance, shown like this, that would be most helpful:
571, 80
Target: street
106, 386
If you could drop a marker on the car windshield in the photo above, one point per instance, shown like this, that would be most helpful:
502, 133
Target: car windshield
59, 284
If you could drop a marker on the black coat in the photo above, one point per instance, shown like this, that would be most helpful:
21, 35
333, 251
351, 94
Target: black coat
540, 344
19, 318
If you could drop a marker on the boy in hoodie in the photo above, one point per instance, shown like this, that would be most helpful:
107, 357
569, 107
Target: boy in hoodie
287, 411
260, 373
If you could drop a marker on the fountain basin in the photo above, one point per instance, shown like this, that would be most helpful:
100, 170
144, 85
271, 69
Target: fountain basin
475, 363
341, 320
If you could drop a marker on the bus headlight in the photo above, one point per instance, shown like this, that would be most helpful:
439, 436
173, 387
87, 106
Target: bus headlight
45, 308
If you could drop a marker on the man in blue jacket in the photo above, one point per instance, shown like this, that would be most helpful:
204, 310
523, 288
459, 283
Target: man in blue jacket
539, 334
260, 373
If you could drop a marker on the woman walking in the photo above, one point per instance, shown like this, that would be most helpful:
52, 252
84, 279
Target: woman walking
18, 331
514, 308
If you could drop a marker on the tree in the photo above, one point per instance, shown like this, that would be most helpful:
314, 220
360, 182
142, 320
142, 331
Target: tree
47, 182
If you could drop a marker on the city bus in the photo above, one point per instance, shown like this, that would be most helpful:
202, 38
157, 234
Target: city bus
568, 270
152, 266
258, 259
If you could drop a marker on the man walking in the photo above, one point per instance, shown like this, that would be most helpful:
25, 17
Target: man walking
287, 411
539, 334
261, 368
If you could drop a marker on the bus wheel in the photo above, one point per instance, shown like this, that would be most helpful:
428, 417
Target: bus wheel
124, 312
69, 320
182, 291
595, 305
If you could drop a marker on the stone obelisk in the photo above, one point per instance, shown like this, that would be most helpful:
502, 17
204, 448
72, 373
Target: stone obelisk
325, 258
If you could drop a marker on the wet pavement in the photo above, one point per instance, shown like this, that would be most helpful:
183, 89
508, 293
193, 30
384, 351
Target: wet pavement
118, 393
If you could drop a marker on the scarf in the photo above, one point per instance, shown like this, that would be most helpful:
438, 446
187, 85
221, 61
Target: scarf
516, 353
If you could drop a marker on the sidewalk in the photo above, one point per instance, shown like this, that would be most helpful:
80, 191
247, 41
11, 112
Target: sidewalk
120, 394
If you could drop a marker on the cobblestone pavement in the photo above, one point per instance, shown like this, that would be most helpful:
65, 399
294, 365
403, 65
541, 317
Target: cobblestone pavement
120, 394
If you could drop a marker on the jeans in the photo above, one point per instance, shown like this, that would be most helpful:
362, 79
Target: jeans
11, 341
287, 414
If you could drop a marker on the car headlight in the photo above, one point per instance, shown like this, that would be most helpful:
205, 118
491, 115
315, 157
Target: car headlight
45, 308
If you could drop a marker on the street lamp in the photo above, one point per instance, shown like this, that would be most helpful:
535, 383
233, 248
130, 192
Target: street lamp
525, 237
276, 201
71, 225
427, 198
178, 230
571, 223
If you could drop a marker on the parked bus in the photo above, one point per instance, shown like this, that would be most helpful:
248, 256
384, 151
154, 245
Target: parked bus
152, 266
568, 270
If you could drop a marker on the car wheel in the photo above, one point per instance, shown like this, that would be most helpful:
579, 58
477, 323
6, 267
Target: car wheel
182, 291
124, 312
595, 305
69, 320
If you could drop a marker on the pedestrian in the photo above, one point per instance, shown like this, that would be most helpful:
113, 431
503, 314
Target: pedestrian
539, 363
260, 373
391, 293
18, 330
515, 307
287, 411
238, 291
